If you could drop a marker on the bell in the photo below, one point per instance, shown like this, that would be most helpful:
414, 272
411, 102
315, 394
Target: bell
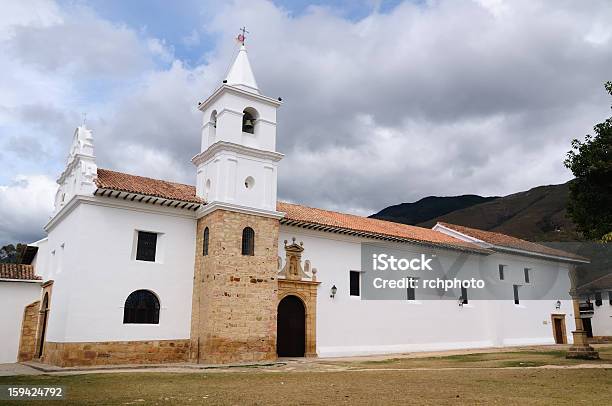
248, 123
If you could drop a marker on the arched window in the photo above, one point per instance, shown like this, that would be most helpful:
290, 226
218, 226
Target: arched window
213, 118
248, 241
249, 116
205, 242
141, 307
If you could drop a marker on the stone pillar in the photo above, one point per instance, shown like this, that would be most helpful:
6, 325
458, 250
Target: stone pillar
581, 348
29, 325
235, 295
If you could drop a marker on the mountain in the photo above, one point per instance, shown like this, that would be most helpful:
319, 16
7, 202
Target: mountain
428, 208
538, 214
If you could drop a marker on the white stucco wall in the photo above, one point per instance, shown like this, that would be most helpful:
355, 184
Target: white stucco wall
94, 272
601, 322
90, 258
349, 326
15, 296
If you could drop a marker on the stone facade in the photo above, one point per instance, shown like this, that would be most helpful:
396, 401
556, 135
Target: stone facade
29, 325
306, 291
294, 280
235, 295
116, 352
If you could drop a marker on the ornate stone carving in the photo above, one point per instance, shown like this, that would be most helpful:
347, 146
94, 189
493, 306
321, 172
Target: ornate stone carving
293, 263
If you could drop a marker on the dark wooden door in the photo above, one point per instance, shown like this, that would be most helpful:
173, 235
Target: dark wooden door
291, 328
586, 324
43, 326
558, 331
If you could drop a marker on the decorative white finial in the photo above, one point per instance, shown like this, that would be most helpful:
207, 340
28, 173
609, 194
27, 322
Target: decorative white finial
240, 74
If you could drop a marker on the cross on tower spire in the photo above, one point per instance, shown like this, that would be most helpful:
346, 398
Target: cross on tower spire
242, 37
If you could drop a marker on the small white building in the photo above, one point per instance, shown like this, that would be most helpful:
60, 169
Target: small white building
19, 287
596, 308
142, 270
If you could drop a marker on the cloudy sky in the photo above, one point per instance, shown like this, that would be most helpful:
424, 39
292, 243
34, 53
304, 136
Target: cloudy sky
384, 102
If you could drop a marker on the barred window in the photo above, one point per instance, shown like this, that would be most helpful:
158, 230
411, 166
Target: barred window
501, 272
205, 242
354, 283
517, 300
147, 245
410, 290
248, 241
598, 300
141, 307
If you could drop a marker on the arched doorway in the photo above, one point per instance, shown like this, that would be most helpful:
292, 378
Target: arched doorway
44, 311
291, 327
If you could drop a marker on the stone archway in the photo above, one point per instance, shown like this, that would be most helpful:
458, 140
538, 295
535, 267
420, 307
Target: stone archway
298, 284
291, 327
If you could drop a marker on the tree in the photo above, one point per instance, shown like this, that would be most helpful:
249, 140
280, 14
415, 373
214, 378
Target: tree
11, 254
590, 200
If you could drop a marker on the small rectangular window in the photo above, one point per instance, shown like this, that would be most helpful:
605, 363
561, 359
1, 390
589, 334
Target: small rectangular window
526, 275
147, 245
516, 294
598, 301
464, 296
354, 283
501, 272
411, 292
610, 296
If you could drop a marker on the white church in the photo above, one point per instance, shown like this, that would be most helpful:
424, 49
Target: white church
140, 270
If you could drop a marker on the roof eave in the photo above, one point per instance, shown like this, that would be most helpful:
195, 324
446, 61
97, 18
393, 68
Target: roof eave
379, 236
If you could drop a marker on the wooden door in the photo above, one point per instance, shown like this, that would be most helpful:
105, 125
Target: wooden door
291, 328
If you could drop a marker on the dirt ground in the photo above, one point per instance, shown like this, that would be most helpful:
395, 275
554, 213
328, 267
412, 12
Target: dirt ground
520, 376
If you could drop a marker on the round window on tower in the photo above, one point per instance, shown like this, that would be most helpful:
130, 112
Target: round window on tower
249, 182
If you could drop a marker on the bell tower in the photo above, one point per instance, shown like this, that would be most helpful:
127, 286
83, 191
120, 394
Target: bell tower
235, 291
238, 163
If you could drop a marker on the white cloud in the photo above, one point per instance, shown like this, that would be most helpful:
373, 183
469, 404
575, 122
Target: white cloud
439, 97
25, 204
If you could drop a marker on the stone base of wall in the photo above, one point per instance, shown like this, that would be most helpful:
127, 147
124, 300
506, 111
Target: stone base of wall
600, 340
29, 324
115, 352
223, 351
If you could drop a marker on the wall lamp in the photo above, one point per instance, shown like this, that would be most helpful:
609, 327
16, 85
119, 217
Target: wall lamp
558, 304
334, 289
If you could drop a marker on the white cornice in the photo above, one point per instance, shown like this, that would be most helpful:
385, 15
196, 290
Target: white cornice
117, 204
460, 236
516, 251
212, 206
21, 280
231, 89
224, 146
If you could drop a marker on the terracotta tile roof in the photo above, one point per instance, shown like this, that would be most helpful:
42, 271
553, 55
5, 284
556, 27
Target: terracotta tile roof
506, 241
146, 186
124, 182
381, 228
18, 271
